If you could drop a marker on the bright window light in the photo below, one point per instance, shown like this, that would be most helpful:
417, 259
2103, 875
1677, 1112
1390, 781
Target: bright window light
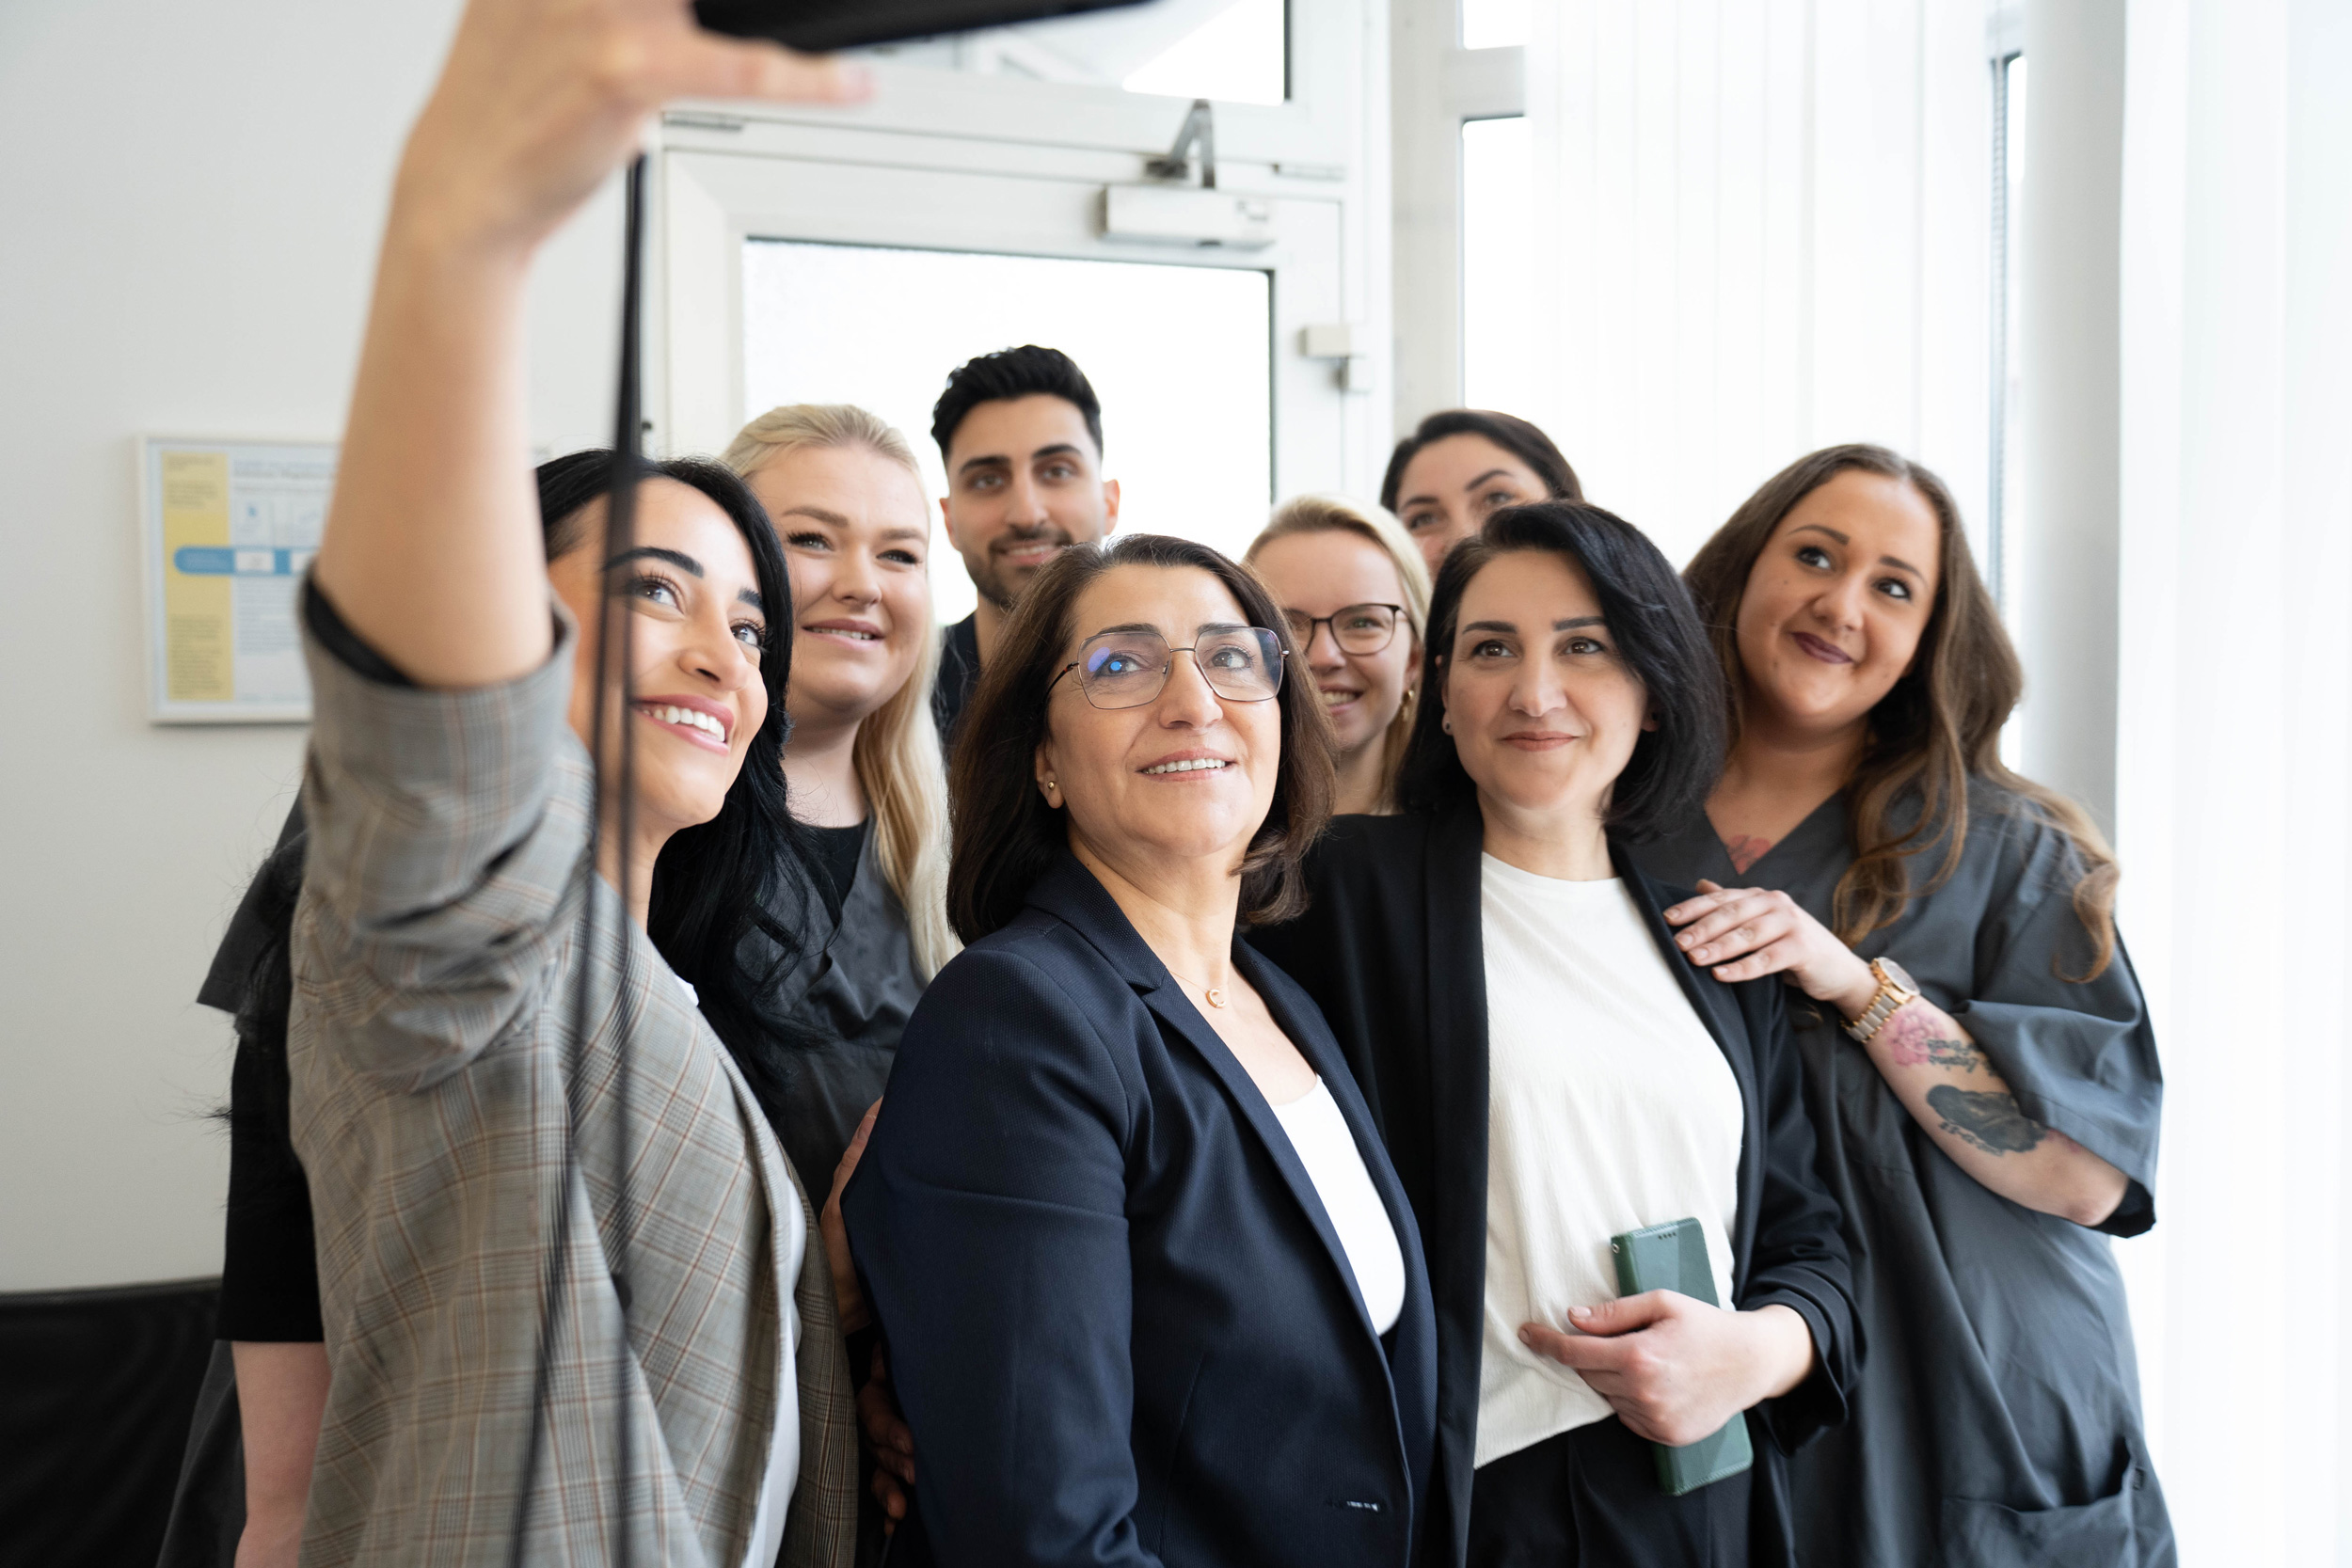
1180, 356
1237, 57
1494, 23
1497, 273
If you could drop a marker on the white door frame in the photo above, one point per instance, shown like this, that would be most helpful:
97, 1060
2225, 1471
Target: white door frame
943, 160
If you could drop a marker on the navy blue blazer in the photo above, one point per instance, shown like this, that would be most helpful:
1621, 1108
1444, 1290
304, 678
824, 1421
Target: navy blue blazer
1119, 1320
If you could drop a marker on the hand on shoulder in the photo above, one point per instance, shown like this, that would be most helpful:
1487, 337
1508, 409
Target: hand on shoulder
1743, 933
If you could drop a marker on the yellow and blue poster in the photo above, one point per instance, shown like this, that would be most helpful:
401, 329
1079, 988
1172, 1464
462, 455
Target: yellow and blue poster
228, 528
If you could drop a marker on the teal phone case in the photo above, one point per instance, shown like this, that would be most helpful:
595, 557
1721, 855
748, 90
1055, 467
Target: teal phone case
1673, 1257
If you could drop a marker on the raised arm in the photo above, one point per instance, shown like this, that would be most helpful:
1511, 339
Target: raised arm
1950, 1084
432, 549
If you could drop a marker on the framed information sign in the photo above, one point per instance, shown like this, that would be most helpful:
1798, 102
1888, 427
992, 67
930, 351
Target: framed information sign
227, 530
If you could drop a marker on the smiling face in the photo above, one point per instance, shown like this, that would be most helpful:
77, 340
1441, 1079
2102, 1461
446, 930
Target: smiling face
697, 619
855, 532
1024, 480
1317, 574
1835, 605
1544, 712
1450, 487
1185, 777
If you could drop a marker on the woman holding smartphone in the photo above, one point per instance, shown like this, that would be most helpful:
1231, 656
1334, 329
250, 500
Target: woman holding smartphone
1549, 1075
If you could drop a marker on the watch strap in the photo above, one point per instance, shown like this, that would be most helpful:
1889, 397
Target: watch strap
1889, 999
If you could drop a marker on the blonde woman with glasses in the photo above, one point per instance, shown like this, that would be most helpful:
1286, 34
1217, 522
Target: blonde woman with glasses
862, 762
1354, 592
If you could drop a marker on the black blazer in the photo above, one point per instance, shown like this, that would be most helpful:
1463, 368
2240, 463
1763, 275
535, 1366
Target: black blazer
1392, 950
1118, 1319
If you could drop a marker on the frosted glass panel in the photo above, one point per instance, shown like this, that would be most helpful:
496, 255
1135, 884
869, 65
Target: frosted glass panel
1497, 269
1179, 355
1233, 51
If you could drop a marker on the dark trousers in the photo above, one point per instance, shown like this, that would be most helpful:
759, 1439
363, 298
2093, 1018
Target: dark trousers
1589, 1499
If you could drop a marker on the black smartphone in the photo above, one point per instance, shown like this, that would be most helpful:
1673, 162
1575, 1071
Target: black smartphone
822, 24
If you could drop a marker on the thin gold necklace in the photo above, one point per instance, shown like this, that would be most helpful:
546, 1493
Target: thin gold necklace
1214, 996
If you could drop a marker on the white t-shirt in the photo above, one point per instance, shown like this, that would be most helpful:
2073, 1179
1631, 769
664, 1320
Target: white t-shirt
1610, 1108
1324, 1146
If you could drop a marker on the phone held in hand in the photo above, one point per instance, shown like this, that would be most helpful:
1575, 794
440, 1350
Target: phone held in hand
1672, 1257
817, 25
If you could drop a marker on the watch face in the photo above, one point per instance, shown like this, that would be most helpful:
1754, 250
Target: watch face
1889, 969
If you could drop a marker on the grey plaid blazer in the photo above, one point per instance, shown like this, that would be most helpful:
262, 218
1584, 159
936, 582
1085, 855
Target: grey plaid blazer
434, 961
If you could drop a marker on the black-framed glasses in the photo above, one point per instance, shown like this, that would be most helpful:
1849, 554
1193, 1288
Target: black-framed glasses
1128, 669
1357, 628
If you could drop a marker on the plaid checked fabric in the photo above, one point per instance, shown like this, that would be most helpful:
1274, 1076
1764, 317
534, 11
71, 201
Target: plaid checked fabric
435, 956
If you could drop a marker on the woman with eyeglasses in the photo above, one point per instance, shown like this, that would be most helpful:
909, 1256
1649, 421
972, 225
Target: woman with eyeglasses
1151, 1289
1355, 594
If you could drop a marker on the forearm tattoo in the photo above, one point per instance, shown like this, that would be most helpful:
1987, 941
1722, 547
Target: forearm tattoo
1914, 1038
1991, 1121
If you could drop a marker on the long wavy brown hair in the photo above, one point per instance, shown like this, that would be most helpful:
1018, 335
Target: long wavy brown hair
1937, 729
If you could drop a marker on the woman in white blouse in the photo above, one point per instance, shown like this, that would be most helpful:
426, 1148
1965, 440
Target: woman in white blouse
1547, 1077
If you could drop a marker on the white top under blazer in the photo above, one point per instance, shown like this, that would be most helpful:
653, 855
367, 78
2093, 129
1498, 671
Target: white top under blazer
1610, 1108
1336, 1166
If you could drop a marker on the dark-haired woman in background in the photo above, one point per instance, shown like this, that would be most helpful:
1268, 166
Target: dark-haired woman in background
1460, 466
1548, 1074
1151, 1289
1978, 1053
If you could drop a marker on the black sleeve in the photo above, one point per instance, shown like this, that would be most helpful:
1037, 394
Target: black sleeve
1800, 1259
269, 1277
999, 1268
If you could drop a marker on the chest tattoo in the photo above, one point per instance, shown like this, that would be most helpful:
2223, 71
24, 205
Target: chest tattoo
1747, 849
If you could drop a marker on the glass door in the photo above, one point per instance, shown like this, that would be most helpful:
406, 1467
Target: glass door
1000, 189
1179, 356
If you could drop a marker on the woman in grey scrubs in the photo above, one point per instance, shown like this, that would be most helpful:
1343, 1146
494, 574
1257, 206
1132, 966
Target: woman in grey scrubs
1978, 1053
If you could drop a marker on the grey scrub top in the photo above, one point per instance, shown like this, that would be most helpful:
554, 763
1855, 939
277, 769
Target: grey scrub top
858, 992
1996, 1419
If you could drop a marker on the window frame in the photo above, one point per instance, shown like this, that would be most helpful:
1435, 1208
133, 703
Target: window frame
1437, 86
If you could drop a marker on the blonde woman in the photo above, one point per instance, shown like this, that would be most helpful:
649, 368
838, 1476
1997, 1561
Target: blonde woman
1356, 591
862, 763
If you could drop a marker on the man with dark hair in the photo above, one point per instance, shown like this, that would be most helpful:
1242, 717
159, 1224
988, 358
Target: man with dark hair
1021, 434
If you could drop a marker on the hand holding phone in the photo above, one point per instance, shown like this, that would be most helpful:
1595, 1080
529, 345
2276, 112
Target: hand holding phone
819, 24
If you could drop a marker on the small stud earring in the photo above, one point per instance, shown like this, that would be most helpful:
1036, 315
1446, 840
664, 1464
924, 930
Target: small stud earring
1051, 786
1446, 724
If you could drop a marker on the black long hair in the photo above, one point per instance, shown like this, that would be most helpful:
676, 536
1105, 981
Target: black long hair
731, 895
1520, 437
730, 899
1658, 634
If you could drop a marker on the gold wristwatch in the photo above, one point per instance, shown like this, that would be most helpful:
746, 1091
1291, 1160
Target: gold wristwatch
1895, 989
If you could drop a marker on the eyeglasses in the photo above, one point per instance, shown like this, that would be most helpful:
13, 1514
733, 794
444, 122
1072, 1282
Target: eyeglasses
1128, 669
1357, 628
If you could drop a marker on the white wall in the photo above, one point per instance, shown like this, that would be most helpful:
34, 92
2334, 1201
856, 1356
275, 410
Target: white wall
190, 207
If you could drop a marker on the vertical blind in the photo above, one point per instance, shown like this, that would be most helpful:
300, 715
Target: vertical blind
2234, 755
1763, 226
